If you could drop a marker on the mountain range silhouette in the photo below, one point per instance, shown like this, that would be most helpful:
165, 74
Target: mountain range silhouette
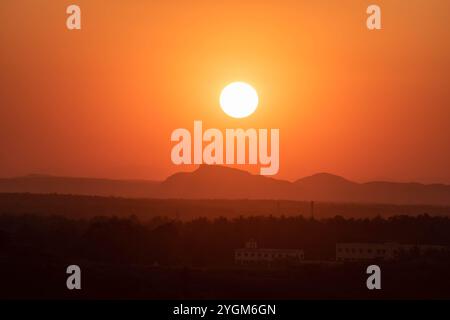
219, 182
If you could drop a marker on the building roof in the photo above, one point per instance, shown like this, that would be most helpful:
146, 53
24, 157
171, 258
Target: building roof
269, 250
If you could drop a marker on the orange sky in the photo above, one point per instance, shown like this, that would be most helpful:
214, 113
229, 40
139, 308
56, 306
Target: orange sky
103, 101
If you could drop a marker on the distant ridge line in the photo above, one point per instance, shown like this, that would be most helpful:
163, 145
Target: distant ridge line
220, 182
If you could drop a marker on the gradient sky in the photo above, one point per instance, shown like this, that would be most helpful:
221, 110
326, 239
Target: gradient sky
103, 101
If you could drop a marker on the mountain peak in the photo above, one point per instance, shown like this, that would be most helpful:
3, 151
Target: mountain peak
209, 172
205, 168
324, 177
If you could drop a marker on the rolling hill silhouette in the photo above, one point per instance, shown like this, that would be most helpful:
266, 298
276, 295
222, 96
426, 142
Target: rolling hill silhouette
80, 186
215, 182
218, 182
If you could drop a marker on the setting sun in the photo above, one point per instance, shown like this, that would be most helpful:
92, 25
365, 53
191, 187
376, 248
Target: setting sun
239, 100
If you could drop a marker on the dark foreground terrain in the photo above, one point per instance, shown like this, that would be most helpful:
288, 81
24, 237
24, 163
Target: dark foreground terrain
44, 280
162, 257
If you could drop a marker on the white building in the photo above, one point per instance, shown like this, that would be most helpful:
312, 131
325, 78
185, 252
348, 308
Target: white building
252, 255
381, 251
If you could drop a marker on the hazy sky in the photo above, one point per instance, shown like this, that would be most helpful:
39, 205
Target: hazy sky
103, 101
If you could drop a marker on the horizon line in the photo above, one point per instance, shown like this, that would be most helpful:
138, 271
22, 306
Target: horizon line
51, 175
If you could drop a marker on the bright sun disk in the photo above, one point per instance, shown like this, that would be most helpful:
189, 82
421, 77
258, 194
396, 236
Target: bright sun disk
239, 100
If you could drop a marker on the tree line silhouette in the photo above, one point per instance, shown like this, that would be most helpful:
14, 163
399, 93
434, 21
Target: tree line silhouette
202, 242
